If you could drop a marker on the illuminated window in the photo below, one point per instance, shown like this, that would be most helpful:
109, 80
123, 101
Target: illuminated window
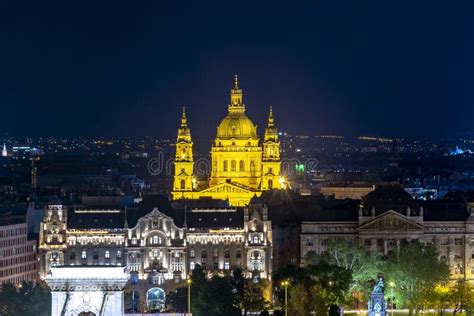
134, 241
84, 254
233, 165
226, 266
192, 265
119, 254
255, 239
191, 253
156, 240
225, 165
107, 254
242, 165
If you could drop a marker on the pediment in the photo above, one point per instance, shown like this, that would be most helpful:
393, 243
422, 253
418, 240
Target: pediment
391, 220
226, 188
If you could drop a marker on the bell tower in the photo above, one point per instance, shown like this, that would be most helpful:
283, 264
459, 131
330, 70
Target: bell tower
271, 156
183, 163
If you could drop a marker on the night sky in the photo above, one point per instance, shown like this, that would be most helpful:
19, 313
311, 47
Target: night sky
388, 68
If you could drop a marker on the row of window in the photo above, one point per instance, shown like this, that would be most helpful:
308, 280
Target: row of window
390, 242
95, 255
19, 279
12, 242
192, 265
17, 260
15, 251
233, 165
192, 254
13, 232
18, 270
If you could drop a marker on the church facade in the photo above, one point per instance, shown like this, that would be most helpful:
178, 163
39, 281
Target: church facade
242, 166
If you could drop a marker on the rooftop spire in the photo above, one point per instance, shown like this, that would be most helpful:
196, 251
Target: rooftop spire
184, 120
236, 104
271, 121
236, 85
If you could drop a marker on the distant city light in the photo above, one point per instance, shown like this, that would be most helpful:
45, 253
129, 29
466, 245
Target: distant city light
458, 151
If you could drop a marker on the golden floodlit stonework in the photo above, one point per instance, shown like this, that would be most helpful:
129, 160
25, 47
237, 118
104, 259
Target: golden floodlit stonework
241, 165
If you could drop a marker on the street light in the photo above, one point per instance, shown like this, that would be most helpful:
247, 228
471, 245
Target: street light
285, 283
392, 285
188, 281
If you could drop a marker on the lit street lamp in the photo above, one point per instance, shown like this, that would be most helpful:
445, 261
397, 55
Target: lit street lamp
392, 285
189, 295
285, 284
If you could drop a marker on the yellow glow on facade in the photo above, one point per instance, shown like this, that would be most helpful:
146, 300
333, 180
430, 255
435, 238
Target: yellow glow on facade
241, 166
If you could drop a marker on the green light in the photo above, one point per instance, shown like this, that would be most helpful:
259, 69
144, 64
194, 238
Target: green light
299, 168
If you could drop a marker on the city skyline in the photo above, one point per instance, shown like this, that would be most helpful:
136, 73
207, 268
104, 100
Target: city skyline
375, 70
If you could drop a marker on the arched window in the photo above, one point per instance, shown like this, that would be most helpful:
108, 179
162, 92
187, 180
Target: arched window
238, 254
225, 165
119, 254
227, 254
233, 165
204, 254
183, 184
72, 256
252, 166
107, 254
242, 166
270, 184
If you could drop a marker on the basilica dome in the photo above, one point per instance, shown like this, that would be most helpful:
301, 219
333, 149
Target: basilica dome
236, 125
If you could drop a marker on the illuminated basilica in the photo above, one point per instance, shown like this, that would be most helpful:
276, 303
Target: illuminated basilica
241, 165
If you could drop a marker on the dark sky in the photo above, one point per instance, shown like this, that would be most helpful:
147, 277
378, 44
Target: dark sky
78, 68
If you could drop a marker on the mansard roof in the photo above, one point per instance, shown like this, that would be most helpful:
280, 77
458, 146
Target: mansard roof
389, 197
96, 218
215, 218
147, 205
444, 211
203, 202
290, 208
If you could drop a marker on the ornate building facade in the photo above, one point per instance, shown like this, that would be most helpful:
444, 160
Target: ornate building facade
158, 243
241, 165
388, 215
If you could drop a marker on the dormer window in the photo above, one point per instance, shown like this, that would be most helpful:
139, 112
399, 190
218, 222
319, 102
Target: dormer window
155, 240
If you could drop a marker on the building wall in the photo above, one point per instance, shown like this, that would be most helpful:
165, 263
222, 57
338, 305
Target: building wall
18, 259
454, 239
